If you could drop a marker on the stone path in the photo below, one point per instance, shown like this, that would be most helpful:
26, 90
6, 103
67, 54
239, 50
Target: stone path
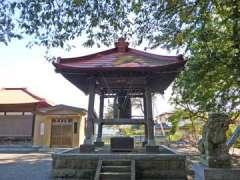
190, 150
193, 153
187, 149
25, 166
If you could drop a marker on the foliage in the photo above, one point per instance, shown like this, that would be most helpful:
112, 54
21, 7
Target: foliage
211, 78
174, 119
207, 31
193, 129
131, 131
53, 22
230, 131
177, 136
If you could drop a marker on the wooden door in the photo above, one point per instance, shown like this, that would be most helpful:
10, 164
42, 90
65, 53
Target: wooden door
62, 133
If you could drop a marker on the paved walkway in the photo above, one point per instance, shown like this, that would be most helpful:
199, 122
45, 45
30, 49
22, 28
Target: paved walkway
25, 166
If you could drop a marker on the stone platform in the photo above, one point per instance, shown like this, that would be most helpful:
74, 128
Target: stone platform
163, 165
203, 172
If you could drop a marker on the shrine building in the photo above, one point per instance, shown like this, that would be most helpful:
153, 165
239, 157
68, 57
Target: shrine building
120, 73
60, 126
17, 113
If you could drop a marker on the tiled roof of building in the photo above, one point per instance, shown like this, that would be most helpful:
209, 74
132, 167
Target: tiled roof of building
20, 96
120, 68
61, 107
121, 57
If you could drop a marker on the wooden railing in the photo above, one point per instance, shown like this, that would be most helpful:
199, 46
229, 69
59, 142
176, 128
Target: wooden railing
133, 170
137, 139
98, 170
122, 121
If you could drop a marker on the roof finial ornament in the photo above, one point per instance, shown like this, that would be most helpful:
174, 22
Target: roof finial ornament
121, 45
180, 57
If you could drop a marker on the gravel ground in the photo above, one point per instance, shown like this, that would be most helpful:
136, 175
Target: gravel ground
25, 166
194, 155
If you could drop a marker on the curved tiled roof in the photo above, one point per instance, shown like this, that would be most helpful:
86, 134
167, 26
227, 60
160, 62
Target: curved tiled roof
117, 58
118, 66
131, 58
61, 107
20, 96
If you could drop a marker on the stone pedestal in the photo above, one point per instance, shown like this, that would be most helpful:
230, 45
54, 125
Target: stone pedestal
87, 148
144, 143
221, 161
152, 149
99, 143
122, 144
203, 172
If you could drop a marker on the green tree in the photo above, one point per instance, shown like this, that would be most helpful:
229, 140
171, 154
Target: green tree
185, 115
230, 132
206, 31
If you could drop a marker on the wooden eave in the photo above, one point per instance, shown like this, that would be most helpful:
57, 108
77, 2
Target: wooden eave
114, 50
159, 70
95, 70
25, 107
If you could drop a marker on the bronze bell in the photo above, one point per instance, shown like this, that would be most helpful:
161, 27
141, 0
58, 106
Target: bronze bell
122, 106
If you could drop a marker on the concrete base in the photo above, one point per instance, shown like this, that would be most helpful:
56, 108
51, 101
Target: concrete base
152, 149
203, 172
151, 166
99, 143
87, 148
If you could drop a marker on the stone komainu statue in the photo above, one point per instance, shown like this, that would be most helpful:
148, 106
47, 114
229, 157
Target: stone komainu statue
212, 146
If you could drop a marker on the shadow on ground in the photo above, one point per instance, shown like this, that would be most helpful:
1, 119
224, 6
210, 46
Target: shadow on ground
25, 166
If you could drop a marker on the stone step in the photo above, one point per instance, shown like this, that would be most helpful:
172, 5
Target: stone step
115, 176
163, 179
116, 168
117, 163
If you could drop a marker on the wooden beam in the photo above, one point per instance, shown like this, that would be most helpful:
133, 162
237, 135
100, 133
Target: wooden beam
113, 90
122, 121
131, 96
28, 107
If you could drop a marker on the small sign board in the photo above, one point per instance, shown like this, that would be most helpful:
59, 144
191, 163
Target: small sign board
42, 128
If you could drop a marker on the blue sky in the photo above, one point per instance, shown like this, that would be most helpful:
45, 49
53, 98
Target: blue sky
24, 67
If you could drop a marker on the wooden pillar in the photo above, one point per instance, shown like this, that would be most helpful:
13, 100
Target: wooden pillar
145, 118
99, 135
115, 108
33, 118
33, 123
90, 119
100, 125
150, 122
